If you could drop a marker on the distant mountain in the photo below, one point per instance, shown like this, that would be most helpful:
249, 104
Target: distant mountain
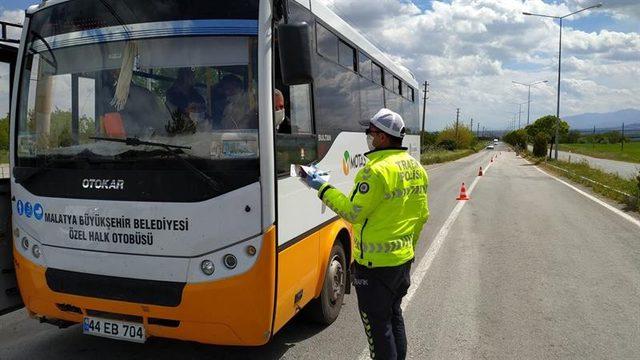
611, 120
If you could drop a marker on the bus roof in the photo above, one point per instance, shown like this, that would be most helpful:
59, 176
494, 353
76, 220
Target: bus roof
333, 20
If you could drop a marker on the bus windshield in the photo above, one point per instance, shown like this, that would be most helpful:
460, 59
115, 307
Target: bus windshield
108, 86
194, 92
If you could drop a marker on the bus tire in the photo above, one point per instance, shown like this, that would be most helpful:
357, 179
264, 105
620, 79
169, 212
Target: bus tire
326, 308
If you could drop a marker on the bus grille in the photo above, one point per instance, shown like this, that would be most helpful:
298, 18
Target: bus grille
152, 292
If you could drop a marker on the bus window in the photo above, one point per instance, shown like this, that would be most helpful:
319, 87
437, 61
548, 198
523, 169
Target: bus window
397, 86
346, 55
4, 113
296, 144
377, 74
300, 96
327, 43
364, 67
4, 89
388, 80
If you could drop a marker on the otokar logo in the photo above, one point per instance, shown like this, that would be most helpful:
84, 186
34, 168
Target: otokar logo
355, 162
103, 184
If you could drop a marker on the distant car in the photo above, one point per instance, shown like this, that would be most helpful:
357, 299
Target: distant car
490, 147
495, 141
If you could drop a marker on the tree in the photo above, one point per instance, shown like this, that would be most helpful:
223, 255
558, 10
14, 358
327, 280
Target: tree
428, 138
517, 139
4, 133
614, 137
463, 138
572, 137
540, 142
547, 124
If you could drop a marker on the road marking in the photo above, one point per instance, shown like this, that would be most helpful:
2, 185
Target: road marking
421, 271
595, 199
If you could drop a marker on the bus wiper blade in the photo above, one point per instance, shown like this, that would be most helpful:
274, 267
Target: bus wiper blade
170, 149
138, 142
24, 174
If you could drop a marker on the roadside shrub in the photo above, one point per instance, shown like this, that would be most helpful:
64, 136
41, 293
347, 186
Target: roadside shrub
540, 142
613, 137
517, 139
463, 138
573, 137
4, 133
448, 144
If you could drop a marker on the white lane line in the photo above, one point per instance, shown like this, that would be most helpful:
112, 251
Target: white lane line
421, 271
595, 199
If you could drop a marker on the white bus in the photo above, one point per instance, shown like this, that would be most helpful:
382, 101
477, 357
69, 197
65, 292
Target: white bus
152, 192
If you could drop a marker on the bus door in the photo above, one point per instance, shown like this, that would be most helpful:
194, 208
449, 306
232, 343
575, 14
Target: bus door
9, 295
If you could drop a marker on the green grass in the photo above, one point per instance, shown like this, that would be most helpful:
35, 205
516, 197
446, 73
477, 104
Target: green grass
631, 151
440, 156
437, 155
577, 172
4, 156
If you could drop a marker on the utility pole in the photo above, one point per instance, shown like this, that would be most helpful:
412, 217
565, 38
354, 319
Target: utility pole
471, 127
529, 96
424, 105
557, 136
478, 132
483, 131
457, 123
519, 114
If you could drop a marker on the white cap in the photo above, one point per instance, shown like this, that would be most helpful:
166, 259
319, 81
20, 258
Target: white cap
389, 122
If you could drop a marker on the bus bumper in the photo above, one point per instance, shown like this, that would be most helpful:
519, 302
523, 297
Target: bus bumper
233, 311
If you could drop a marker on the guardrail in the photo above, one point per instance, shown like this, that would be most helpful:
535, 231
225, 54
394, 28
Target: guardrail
592, 181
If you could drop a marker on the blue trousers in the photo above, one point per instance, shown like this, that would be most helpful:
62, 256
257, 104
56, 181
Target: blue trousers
380, 292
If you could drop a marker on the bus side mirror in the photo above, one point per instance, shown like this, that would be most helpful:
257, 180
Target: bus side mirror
294, 44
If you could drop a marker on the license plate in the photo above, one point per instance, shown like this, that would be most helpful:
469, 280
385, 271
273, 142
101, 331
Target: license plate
114, 329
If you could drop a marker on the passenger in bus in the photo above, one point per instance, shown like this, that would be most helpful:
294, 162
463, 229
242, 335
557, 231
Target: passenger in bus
232, 108
184, 99
282, 122
143, 114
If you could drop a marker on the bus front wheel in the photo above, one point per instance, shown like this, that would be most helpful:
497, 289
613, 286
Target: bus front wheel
326, 308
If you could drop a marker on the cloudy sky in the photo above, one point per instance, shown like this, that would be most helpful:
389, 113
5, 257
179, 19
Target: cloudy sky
470, 51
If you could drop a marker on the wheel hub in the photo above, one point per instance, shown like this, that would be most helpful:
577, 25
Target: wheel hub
336, 274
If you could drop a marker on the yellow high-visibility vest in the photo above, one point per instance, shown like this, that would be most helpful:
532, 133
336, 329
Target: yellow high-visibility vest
388, 207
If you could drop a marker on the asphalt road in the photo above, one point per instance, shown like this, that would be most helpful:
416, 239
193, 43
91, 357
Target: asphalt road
624, 169
530, 269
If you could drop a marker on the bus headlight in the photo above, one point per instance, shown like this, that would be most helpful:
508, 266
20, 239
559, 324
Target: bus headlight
230, 261
207, 267
36, 251
251, 250
25, 243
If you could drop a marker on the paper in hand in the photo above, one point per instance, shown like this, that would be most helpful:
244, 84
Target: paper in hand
303, 172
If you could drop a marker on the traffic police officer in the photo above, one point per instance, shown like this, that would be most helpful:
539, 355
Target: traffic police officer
388, 208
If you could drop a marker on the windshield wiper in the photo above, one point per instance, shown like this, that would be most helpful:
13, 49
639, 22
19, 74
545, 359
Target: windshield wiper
23, 174
170, 150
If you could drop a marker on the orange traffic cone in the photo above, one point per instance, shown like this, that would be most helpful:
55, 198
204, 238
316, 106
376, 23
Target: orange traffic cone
480, 172
463, 193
